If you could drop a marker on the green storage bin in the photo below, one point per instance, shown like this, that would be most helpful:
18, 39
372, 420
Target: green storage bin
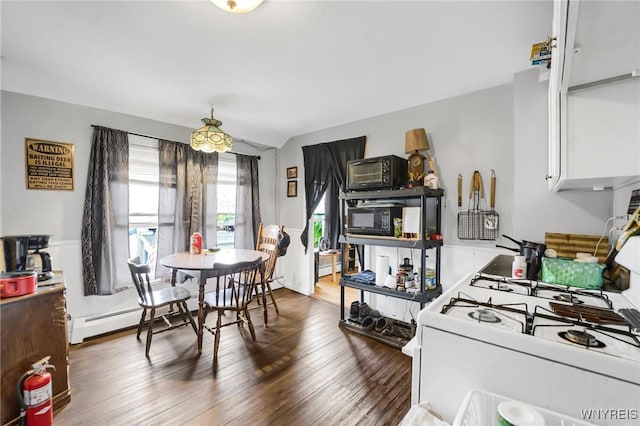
575, 274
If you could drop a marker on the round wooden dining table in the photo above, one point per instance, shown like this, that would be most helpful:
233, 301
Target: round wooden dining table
205, 264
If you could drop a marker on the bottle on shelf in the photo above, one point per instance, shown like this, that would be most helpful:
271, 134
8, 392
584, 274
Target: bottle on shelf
431, 180
405, 275
429, 274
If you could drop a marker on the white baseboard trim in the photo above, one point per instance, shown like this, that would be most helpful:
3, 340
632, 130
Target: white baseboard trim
326, 270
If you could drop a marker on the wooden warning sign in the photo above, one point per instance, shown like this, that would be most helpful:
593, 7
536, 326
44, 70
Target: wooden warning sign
49, 165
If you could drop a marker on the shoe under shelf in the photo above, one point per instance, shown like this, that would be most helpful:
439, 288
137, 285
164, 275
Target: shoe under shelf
391, 340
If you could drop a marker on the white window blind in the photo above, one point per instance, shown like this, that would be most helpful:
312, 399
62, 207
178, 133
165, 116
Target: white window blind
227, 184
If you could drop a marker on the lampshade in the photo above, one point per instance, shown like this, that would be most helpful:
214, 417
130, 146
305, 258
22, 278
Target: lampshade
237, 6
415, 140
210, 137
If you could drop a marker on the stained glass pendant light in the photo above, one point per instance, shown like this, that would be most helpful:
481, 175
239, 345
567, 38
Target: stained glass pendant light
210, 137
237, 6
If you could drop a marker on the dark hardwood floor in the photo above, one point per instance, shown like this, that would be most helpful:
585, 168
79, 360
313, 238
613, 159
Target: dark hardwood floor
302, 370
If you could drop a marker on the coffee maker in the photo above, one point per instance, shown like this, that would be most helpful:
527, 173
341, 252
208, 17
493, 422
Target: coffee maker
24, 253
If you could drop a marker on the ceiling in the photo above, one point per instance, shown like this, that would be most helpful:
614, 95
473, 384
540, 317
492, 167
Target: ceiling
287, 68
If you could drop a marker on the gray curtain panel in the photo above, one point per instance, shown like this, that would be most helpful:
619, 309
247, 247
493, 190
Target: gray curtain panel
105, 221
187, 199
247, 202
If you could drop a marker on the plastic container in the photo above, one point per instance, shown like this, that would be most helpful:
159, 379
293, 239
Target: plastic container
569, 272
196, 243
481, 408
519, 267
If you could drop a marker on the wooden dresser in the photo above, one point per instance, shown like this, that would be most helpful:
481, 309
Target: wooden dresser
33, 327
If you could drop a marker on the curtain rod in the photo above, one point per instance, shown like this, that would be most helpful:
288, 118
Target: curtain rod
155, 137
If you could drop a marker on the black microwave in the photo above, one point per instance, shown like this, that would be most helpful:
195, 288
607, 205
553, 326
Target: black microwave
387, 172
376, 220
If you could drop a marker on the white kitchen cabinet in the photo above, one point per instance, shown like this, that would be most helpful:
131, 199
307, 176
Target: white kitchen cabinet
594, 95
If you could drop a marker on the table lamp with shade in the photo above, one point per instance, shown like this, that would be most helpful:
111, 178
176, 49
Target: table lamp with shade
414, 141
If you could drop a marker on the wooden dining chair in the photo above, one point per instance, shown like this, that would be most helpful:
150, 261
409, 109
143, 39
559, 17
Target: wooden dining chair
151, 300
268, 243
232, 292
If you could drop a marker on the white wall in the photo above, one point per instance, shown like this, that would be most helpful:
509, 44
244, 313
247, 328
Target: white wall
59, 213
503, 128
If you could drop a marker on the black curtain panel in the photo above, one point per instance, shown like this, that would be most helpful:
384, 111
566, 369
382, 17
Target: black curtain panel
341, 152
317, 175
325, 165
105, 219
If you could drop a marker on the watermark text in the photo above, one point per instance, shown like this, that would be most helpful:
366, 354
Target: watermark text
609, 413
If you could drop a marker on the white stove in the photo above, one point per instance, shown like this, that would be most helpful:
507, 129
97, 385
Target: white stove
566, 349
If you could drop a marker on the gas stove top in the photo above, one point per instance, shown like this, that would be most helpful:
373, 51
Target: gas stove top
519, 333
581, 318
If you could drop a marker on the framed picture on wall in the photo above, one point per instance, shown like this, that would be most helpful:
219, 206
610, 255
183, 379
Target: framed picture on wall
292, 188
292, 172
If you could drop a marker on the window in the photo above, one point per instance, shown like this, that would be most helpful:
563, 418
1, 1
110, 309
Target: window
143, 199
226, 219
318, 223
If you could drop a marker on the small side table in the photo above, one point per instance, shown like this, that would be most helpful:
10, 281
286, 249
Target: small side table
334, 255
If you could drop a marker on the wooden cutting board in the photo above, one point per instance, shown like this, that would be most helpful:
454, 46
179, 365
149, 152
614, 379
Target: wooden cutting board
567, 245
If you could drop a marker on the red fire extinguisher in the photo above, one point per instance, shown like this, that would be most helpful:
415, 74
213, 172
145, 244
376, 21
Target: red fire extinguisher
35, 396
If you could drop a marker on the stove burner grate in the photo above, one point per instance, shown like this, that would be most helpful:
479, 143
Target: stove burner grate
588, 313
566, 297
590, 295
501, 287
485, 315
502, 284
581, 338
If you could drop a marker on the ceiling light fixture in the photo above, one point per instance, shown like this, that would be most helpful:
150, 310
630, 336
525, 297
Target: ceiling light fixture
210, 137
237, 6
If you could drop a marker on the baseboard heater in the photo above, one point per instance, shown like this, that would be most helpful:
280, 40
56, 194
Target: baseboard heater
111, 314
108, 322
